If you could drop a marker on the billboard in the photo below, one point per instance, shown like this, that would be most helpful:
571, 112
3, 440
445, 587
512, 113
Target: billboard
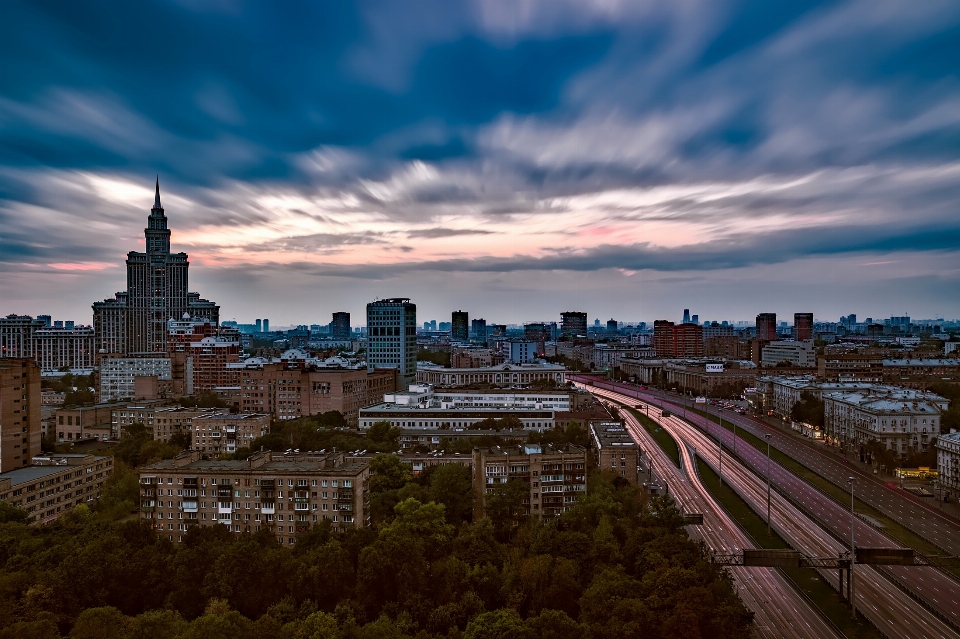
714, 368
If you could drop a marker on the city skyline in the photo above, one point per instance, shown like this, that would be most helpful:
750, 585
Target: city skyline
627, 160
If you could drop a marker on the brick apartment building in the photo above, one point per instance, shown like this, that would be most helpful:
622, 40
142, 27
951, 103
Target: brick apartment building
288, 390
555, 478
677, 340
19, 412
55, 483
223, 433
282, 493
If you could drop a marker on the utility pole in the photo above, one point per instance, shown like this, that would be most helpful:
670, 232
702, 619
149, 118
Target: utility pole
853, 601
767, 436
721, 456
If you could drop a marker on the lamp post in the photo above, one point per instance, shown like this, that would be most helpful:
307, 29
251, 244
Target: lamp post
853, 601
767, 436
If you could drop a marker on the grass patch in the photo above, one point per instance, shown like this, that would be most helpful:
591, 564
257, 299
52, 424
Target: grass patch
807, 580
662, 437
893, 528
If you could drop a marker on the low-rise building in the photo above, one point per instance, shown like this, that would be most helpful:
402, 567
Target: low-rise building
223, 433
55, 483
284, 493
948, 463
502, 375
903, 420
555, 478
920, 373
703, 376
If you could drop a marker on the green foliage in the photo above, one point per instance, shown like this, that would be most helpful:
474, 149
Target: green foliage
808, 410
609, 567
510, 422
574, 434
11, 514
204, 400
950, 417
383, 433
137, 447
441, 358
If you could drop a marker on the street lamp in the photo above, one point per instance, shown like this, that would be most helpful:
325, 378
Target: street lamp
767, 436
853, 601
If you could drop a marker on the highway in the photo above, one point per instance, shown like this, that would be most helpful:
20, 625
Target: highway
907, 510
779, 610
887, 607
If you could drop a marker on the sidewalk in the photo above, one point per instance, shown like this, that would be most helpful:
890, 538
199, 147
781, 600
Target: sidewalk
951, 509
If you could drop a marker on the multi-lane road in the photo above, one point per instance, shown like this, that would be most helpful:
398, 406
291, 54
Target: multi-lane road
819, 526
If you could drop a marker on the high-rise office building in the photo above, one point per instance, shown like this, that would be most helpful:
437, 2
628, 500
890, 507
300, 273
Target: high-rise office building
479, 329
686, 316
802, 326
340, 326
19, 412
612, 326
694, 319
266, 325
460, 326
573, 323
259, 323
767, 326
135, 321
392, 337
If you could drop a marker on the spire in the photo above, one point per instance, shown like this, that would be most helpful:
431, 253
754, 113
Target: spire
156, 201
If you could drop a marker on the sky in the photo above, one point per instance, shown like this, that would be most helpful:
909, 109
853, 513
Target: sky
512, 158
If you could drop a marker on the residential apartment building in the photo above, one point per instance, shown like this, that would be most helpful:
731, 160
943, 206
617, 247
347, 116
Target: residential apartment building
726, 347
851, 366
20, 412
608, 356
52, 347
459, 326
615, 451
803, 326
219, 433
392, 337
501, 375
767, 326
554, 478
920, 373
677, 340
293, 389
948, 463
472, 357
904, 420
573, 323
340, 326
285, 494
118, 376
55, 483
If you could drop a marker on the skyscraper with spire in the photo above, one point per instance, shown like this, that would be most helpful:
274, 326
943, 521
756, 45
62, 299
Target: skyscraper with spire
157, 291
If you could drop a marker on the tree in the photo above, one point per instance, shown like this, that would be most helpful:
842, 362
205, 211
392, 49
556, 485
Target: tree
499, 624
388, 473
382, 432
101, 623
504, 505
452, 486
808, 410
11, 514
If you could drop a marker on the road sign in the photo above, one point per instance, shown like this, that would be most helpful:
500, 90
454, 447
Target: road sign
885, 556
772, 558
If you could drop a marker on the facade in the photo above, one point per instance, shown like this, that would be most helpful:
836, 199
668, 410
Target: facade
118, 376
803, 326
135, 321
672, 340
207, 358
948, 463
289, 390
478, 329
392, 337
460, 326
615, 451
282, 493
573, 323
340, 326
223, 433
692, 374
851, 367
920, 373
903, 420
502, 375
608, 356
798, 354
20, 430
54, 484
767, 326
522, 352
555, 478
726, 347
470, 357
714, 329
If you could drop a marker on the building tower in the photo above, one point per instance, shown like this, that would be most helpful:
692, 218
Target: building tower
686, 316
573, 323
157, 291
802, 326
19, 412
392, 337
767, 326
479, 329
340, 326
460, 326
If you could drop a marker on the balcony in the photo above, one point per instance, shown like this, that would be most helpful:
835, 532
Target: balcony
147, 506
224, 508
267, 508
215, 435
301, 506
189, 507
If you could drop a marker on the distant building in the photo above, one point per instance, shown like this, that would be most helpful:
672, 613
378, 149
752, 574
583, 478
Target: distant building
615, 451
340, 326
686, 316
767, 326
19, 412
948, 463
502, 375
52, 347
671, 340
284, 494
55, 483
218, 433
460, 326
478, 327
522, 352
392, 337
802, 326
573, 323
612, 326
118, 376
